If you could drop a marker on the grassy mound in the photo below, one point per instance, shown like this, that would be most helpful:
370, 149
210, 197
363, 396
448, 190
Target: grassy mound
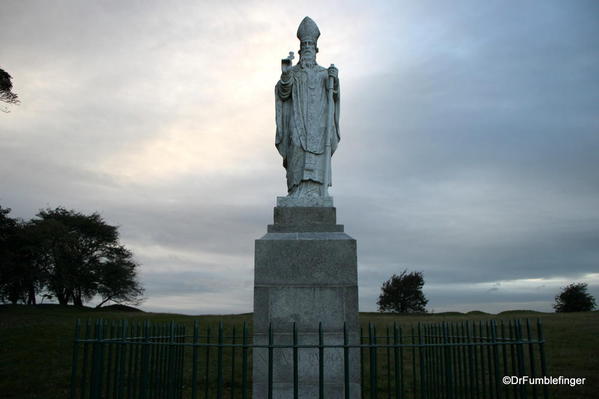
520, 312
119, 308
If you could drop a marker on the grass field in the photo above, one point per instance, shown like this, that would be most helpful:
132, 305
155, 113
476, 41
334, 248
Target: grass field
36, 344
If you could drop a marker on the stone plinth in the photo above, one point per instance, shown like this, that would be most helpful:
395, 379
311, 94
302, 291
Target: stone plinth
305, 272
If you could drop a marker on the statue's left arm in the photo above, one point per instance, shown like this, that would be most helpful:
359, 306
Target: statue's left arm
334, 73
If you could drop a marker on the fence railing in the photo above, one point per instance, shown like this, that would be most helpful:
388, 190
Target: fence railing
446, 360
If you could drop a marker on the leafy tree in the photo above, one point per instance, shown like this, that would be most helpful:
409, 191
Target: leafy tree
67, 255
7, 224
403, 294
84, 258
9, 288
117, 278
574, 298
21, 277
6, 94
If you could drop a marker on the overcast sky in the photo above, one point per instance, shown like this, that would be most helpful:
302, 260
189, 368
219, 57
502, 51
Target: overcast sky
469, 139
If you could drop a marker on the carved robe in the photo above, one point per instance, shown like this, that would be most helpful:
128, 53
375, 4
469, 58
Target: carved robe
301, 117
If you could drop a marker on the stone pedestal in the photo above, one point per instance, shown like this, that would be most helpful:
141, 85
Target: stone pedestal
305, 272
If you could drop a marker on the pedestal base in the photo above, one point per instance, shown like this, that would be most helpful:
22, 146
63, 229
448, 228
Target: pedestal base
305, 273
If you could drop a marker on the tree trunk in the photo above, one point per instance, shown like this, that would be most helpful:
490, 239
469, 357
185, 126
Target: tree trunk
77, 298
31, 296
62, 296
102, 303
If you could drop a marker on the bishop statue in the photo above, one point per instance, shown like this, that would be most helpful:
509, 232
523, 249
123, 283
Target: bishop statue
307, 117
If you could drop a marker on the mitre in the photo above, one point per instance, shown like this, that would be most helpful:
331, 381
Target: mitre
308, 30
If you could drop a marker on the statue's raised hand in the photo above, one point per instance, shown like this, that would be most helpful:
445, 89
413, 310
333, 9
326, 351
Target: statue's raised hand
286, 63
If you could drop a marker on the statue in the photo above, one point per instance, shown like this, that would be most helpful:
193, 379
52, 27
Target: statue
306, 266
307, 117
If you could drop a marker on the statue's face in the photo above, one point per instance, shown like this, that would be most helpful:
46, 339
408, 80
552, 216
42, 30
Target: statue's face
308, 50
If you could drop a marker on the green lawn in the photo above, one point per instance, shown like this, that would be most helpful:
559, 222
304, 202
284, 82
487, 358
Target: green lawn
36, 344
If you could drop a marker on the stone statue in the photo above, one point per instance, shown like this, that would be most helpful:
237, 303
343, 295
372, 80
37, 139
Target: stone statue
306, 266
307, 117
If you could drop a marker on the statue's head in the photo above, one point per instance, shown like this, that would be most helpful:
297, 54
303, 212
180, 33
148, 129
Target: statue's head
308, 34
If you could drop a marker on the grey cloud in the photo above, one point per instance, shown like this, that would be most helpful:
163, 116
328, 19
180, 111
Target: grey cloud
468, 146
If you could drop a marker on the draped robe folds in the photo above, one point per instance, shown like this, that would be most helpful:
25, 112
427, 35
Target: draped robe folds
301, 117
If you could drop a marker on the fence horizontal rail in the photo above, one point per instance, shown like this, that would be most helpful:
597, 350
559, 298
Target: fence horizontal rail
446, 360
313, 346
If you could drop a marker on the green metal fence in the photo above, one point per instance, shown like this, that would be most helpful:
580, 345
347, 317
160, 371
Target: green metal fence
445, 360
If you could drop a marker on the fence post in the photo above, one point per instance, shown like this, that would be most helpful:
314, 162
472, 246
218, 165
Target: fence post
320, 362
194, 360
75, 359
143, 388
423, 390
270, 359
489, 360
481, 350
96, 361
170, 370
219, 363
466, 388
163, 387
427, 358
130, 363
295, 361
439, 381
504, 349
448, 362
244, 361
345, 361
531, 357
542, 353
472, 362
520, 351
85, 358
512, 329
153, 359
413, 336
396, 361
207, 379
181, 360
495, 358
233, 364
362, 385
372, 344
388, 362
455, 358
122, 354
139, 359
